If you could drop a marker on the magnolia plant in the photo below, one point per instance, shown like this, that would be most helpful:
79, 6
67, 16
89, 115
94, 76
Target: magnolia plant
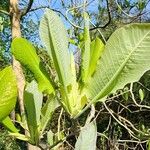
103, 70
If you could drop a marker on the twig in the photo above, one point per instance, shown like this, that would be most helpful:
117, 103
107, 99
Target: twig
132, 125
69, 145
92, 114
99, 32
43, 7
124, 107
143, 86
4, 12
67, 12
28, 8
60, 141
109, 18
131, 141
133, 98
111, 113
102, 134
59, 119
123, 10
109, 123
110, 98
38, 8
85, 4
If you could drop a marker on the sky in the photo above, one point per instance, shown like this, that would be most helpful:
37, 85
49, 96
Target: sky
56, 4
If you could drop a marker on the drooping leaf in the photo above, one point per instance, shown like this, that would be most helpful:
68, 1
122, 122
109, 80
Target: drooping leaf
87, 138
124, 60
85, 50
25, 52
97, 48
8, 92
33, 104
54, 36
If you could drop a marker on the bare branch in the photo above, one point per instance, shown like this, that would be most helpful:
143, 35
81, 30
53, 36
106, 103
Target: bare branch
119, 122
43, 7
92, 114
133, 98
28, 8
109, 18
38, 8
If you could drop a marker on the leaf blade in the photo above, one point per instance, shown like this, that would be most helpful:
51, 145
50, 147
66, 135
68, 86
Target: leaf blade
25, 52
97, 48
8, 92
84, 141
47, 112
33, 104
124, 60
56, 42
9, 125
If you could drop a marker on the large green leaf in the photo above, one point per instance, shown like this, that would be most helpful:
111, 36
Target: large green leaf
125, 58
54, 36
8, 92
33, 104
87, 138
25, 52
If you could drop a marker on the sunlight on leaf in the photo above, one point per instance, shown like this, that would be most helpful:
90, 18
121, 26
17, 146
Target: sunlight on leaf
8, 92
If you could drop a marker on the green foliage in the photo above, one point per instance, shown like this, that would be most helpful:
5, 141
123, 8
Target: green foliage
117, 62
4, 5
104, 69
47, 112
9, 143
3, 62
141, 94
8, 92
97, 48
125, 59
26, 54
56, 42
9, 125
33, 104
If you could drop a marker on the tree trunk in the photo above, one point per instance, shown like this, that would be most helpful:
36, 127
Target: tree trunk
16, 32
